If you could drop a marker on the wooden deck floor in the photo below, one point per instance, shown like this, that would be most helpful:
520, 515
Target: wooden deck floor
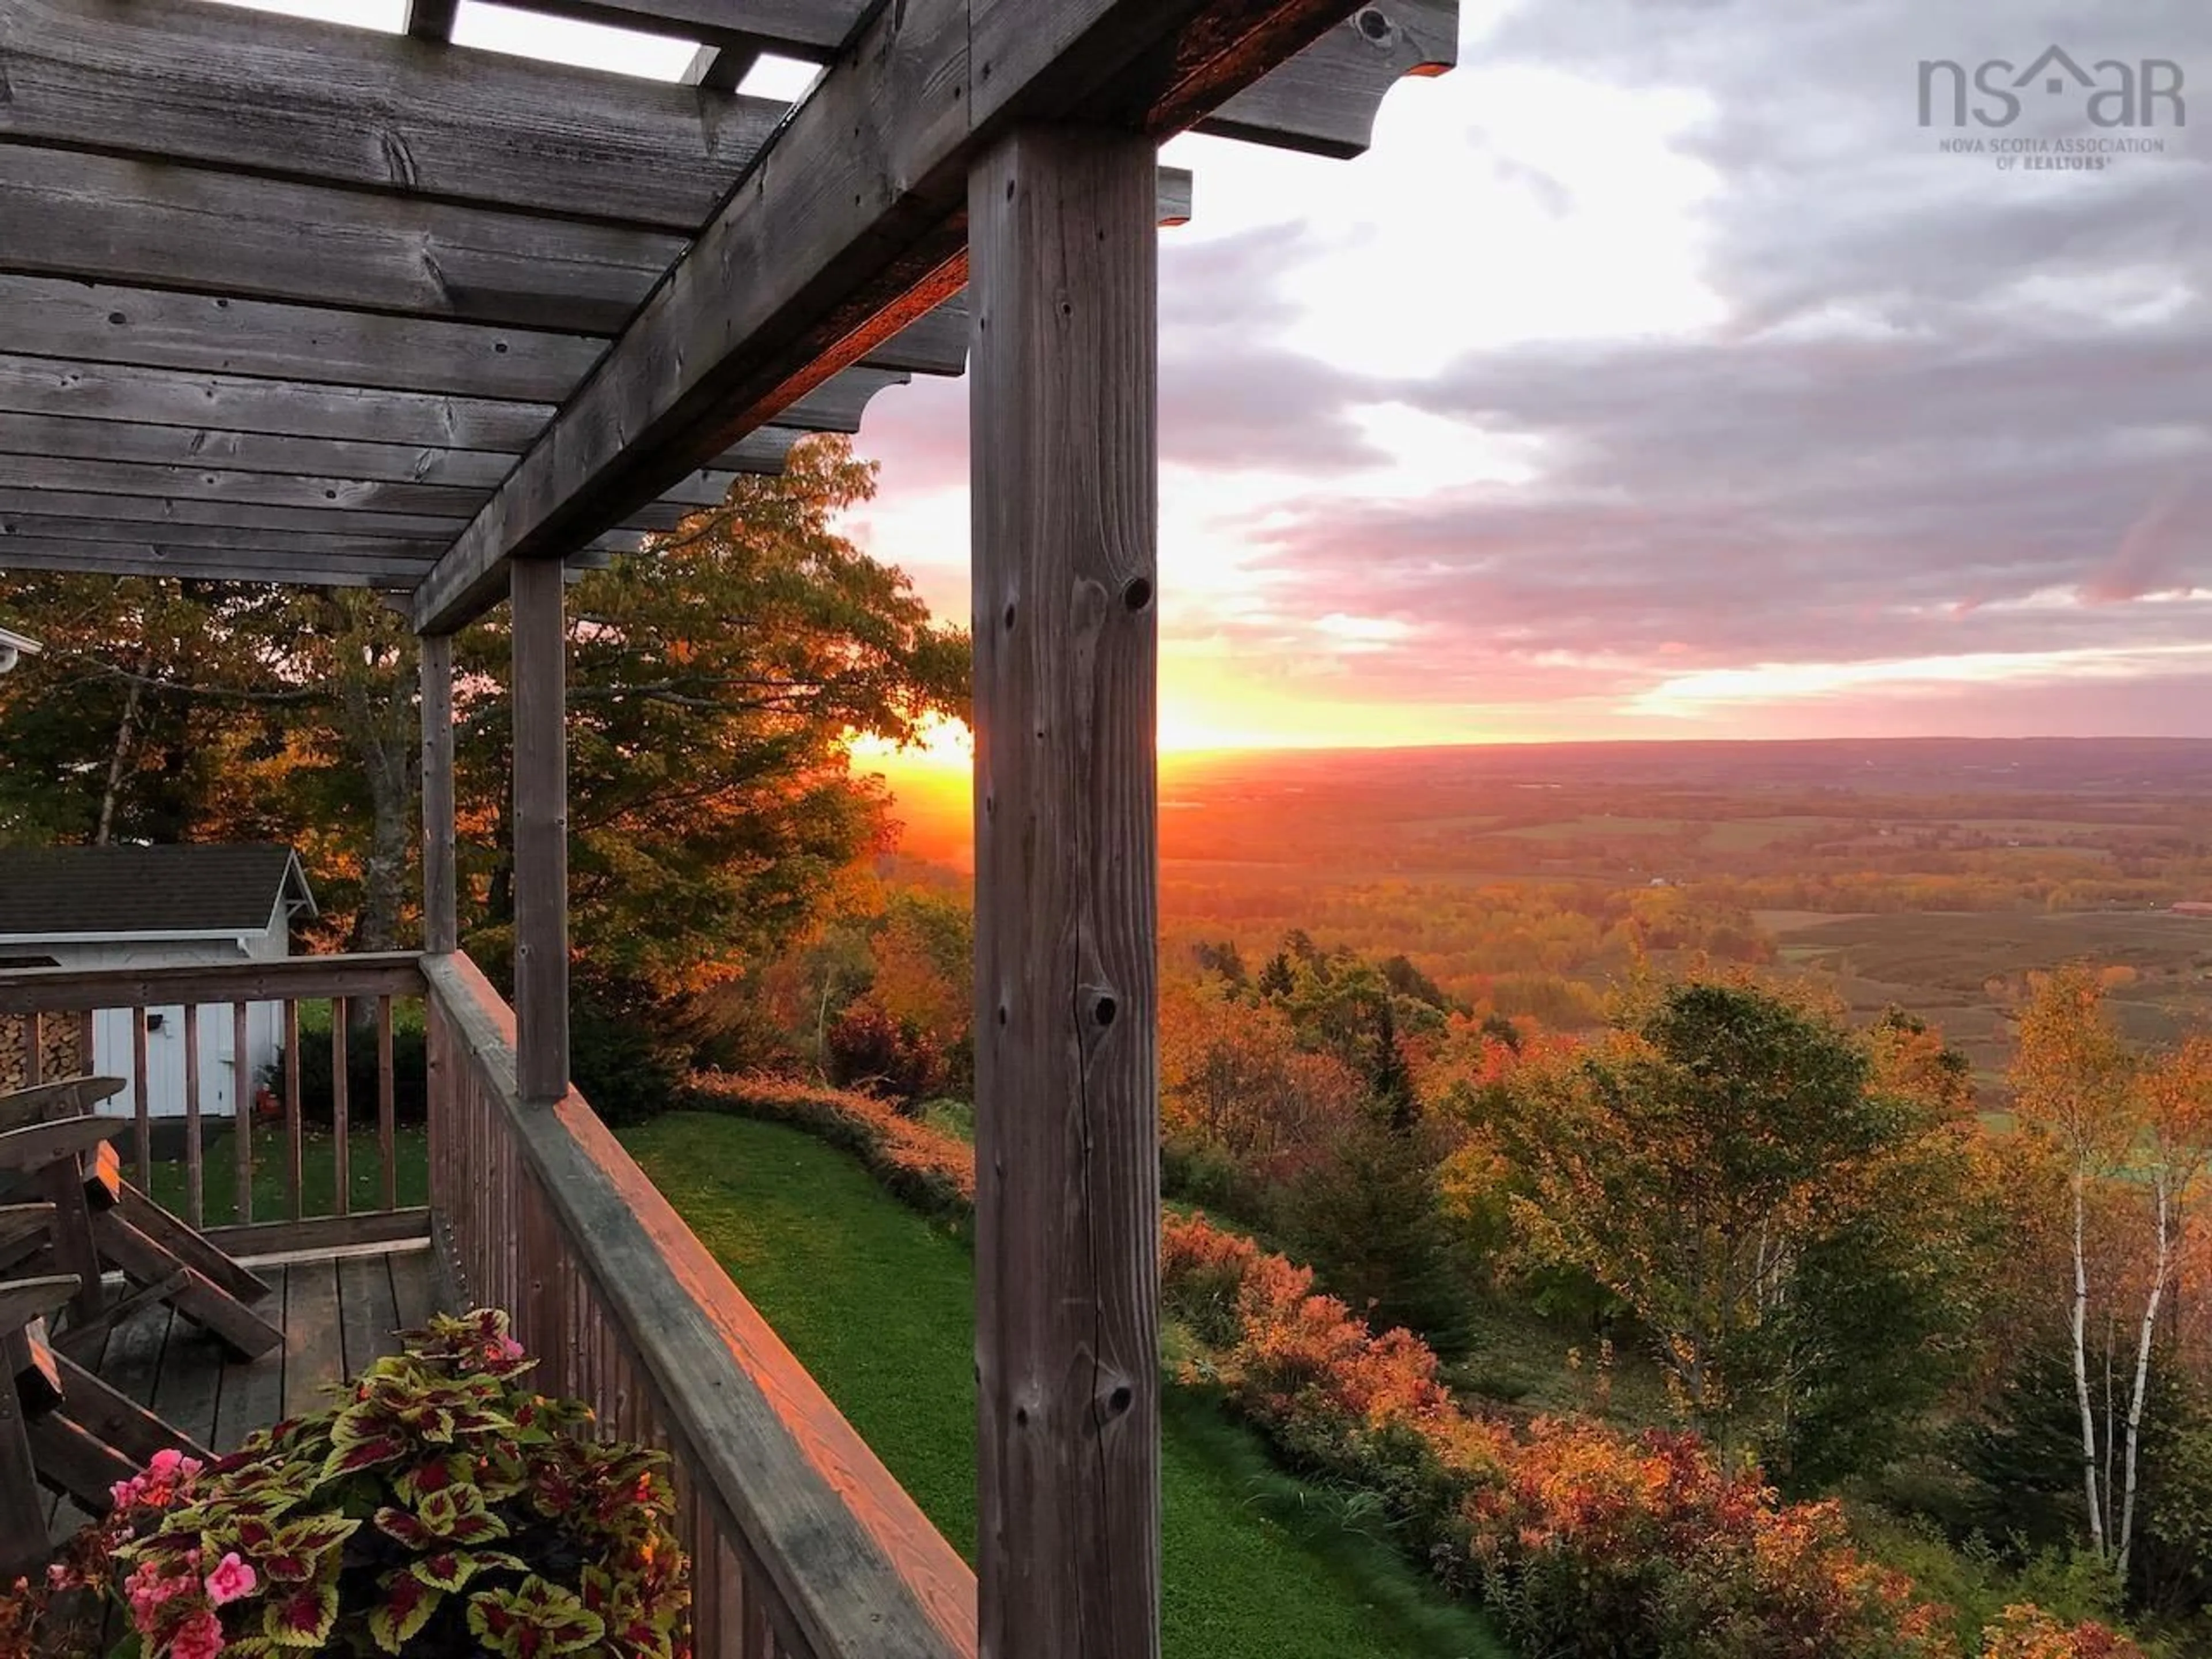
337, 1314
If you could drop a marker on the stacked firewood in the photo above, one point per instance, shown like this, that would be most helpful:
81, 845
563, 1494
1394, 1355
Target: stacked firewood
64, 1050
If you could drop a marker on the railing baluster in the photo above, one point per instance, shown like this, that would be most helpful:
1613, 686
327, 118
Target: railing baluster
293, 1151
34, 1051
387, 1110
141, 1103
341, 1143
241, 1105
195, 1207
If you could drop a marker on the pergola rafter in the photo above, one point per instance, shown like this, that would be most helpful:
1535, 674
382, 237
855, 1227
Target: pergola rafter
288, 302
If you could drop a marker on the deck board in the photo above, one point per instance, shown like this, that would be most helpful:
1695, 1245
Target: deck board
252, 1392
368, 1321
314, 1350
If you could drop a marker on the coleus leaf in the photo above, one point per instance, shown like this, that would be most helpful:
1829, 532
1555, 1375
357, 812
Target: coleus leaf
315, 1534
363, 1455
303, 1616
450, 1570
407, 1605
535, 1619
404, 1529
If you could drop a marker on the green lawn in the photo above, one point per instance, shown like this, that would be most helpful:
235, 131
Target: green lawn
318, 1173
877, 1302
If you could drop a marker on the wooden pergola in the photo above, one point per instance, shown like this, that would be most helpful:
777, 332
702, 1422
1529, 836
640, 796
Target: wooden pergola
292, 302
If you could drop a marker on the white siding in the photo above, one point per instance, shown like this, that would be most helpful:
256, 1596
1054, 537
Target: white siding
165, 1046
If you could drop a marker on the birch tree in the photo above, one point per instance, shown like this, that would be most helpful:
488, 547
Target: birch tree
2071, 1084
2176, 1112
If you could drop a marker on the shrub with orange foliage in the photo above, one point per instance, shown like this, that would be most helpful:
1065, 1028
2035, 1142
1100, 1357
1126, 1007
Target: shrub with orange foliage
1597, 1543
931, 1169
2028, 1632
1585, 1543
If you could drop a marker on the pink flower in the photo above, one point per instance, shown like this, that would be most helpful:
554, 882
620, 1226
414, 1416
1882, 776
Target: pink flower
199, 1637
510, 1348
165, 1462
231, 1579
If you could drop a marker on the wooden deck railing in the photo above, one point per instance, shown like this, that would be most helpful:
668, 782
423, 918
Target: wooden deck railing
804, 1546
183, 1101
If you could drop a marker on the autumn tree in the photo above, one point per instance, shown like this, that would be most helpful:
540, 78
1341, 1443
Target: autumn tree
136, 721
1235, 1083
2174, 1119
1719, 1163
2072, 1085
713, 682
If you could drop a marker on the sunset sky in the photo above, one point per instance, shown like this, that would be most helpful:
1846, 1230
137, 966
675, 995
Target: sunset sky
1657, 375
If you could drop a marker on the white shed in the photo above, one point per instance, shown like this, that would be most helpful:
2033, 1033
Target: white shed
159, 907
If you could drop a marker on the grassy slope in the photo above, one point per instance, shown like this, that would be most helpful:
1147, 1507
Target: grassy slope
877, 1303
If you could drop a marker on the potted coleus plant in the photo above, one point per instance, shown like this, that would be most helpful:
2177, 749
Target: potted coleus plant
439, 1507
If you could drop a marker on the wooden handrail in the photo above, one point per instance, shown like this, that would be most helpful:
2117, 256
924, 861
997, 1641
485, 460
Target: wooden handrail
70, 990
846, 1562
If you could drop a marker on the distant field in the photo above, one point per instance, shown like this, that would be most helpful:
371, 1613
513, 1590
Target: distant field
1599, 825
1962, 970
1754, 835
1779, 922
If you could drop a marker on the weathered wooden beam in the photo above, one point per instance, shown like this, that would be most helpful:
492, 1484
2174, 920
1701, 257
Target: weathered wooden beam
228, 538
98, 218
761, 452
104, 323
849, 228
541, 831
107, 509
262, 93
1066, 526
440, 930
1323, 102
212, 564
238, 404
366, 496
287, 426
721, 69
67, 437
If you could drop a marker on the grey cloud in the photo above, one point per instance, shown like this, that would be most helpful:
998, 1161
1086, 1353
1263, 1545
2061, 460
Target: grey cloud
1902, 434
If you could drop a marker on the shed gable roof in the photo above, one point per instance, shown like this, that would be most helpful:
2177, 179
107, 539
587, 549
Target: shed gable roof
67, 892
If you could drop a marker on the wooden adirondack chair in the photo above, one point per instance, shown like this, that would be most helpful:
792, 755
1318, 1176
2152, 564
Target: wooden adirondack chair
63, 1154
60, 1425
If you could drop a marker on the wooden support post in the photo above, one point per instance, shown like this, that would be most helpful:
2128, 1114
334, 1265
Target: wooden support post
1064, 292
541, 831
440, 927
